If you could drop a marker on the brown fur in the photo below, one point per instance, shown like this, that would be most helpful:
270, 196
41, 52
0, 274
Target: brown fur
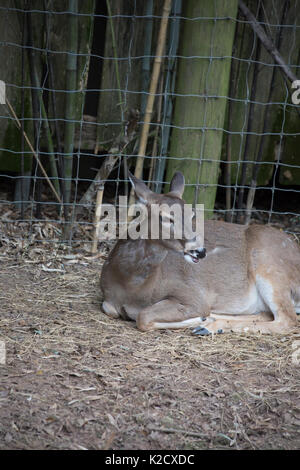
247, 270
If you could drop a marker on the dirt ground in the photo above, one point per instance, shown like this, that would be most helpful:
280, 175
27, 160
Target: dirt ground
76, 379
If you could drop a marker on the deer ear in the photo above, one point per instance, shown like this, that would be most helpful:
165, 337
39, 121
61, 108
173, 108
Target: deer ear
141, 190
177, 184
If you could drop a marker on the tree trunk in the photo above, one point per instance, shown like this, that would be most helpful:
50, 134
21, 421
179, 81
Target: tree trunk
199, 120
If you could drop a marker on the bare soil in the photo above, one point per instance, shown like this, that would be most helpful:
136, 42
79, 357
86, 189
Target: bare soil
76, 379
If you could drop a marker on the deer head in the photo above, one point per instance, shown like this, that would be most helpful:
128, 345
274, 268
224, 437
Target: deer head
175, 218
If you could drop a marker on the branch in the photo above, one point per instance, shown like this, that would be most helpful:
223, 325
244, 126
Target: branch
266, 41
114, 152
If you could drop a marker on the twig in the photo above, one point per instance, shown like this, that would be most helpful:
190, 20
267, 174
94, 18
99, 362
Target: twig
32, 150
114, 153
266, 41
177, 431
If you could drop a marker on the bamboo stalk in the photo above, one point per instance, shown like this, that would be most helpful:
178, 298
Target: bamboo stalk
57, 131
97, 219
121, 104
116, 65
51, 151
155, 140
32, 150
267, 42
232, 93
71, 97
40, 105
228, 168
152, 91
252, 189
146, 61
146, 68
22, 113
35, 106
54, 112
169, 87
249, 131
22, 186
115, 51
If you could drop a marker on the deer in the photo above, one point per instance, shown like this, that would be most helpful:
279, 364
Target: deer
237, 278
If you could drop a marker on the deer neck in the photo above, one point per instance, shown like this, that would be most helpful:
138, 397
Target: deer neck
142, 257
152, 253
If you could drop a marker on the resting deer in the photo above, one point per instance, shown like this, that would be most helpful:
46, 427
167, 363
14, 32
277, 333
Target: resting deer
239, 278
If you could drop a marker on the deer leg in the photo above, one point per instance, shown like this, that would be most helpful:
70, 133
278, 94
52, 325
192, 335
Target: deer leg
167, 314
254, 318
277, 298
110, 310
283, 322
266, 327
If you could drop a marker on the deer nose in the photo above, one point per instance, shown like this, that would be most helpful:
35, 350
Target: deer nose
201, 253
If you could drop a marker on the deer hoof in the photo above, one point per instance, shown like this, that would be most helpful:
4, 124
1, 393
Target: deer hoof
201, 331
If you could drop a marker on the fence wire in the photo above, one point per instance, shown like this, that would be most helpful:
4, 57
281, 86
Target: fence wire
115, 49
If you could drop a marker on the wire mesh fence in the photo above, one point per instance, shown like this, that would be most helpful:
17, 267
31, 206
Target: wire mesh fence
94, 89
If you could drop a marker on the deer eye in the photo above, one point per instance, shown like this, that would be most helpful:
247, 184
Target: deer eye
166, 218
192, 214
